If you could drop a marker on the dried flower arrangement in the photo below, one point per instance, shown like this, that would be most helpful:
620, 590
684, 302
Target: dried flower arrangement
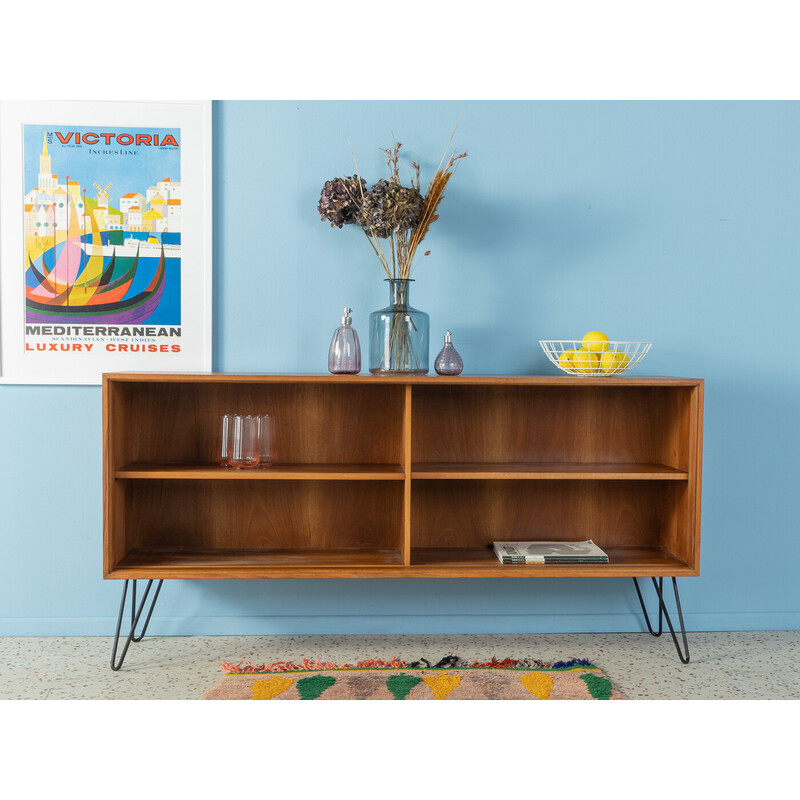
389, 210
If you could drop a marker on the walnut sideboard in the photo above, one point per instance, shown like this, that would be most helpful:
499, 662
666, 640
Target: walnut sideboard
401, 477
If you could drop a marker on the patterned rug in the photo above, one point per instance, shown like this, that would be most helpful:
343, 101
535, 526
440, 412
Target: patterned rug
450, 678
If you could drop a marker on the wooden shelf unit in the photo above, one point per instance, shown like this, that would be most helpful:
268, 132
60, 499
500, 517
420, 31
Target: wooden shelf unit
401, 476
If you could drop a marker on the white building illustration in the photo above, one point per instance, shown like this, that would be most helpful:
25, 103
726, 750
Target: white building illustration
50, 208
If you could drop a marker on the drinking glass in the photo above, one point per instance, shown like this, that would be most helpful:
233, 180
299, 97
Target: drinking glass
243, 447
266, 452
224, 425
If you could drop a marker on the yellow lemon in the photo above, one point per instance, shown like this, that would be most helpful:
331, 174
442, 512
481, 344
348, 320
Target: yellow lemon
584, 361
595, 341
565, 360
613, 361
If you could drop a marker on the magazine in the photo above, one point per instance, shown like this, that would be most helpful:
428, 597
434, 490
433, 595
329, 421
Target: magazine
550, 553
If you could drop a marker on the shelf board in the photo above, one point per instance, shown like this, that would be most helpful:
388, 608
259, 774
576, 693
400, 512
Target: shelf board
547, 471
482, 562
253, 562
309, 472
394, 472
447, 562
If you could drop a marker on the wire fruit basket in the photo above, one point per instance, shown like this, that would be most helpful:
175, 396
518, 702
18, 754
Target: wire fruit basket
607, 358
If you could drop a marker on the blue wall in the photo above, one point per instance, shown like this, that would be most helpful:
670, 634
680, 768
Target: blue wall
672, 222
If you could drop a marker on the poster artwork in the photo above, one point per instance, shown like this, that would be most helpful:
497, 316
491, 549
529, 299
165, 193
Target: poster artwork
102, 252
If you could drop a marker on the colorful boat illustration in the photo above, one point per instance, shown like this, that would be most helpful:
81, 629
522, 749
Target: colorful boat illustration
61, 295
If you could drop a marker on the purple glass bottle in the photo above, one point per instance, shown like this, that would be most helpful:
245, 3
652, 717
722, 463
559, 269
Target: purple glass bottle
448, 362
344, 356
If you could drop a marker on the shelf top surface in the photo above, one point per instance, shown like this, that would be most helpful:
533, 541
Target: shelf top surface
418, 380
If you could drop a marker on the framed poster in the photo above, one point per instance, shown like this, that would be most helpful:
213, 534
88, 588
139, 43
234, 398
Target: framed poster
105, 240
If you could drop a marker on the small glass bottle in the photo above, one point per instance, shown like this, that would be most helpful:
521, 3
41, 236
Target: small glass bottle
344, 356
448, 362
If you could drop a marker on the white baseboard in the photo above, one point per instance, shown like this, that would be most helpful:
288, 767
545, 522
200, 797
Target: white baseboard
395, 624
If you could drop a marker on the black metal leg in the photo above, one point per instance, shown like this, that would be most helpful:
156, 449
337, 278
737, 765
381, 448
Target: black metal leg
135, 616
664, 614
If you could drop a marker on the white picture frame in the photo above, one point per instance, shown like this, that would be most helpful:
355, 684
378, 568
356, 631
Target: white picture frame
68, 312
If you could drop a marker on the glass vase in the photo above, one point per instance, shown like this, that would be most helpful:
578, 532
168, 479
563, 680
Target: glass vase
398, 335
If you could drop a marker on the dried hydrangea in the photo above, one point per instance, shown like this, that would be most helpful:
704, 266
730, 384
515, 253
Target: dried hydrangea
389, 207
340, 200
389, 210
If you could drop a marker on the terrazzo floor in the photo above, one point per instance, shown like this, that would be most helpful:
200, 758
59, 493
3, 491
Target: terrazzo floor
762, 665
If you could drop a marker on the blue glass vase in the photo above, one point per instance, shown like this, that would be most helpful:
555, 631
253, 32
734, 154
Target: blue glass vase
398, 335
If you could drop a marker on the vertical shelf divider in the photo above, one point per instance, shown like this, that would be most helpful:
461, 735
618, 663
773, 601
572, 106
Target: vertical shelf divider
407, 474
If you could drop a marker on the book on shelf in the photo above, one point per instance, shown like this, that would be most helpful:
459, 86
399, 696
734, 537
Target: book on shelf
550, 553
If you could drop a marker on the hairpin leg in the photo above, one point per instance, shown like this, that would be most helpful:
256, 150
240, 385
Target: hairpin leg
663, 613
135, 616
